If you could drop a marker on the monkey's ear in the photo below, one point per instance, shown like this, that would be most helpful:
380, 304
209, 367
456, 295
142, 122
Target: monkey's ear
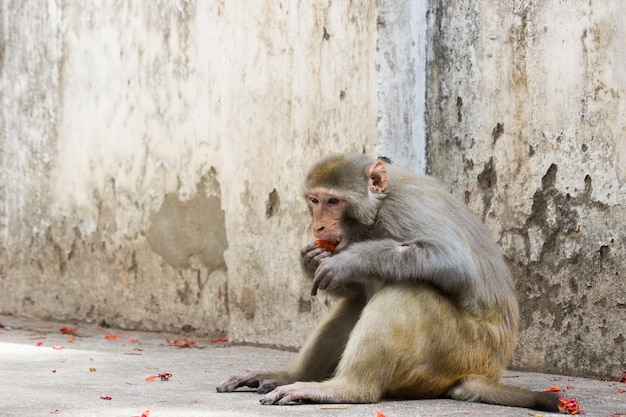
378, 177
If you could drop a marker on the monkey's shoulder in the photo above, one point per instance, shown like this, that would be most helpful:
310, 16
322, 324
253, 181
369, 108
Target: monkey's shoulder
419, 190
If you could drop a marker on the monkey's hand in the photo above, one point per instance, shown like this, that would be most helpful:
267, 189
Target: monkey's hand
311, 256
333, 273
264, 382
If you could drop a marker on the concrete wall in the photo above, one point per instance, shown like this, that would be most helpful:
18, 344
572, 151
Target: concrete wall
526, 117
153, 153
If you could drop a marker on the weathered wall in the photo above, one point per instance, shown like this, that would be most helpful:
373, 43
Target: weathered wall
526, 116
152, 157
401, 27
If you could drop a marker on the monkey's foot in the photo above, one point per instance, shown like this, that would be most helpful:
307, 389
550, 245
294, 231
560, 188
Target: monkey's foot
264, 382
303, 392
251, 380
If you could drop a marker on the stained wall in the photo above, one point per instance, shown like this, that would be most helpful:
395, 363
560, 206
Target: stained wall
152, 155
526, 122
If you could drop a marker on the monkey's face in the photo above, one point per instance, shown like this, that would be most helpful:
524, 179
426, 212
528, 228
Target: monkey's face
344, 194
327, 209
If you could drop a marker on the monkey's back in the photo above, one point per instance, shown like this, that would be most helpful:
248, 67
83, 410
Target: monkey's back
419, 207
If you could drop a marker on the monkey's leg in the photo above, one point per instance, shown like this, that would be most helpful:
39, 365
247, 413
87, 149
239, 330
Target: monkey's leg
316, 361
410, 342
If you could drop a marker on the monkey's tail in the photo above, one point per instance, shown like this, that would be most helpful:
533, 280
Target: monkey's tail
481, 389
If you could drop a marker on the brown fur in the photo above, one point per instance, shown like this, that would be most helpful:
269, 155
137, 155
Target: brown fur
428, 308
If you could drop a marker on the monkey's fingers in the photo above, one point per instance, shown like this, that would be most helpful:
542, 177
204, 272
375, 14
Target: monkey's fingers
280, 396
316, 286
312, 259
321, 280
268, 386
234, 382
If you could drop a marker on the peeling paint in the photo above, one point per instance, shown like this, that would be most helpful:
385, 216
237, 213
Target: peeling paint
182, 229
146, 162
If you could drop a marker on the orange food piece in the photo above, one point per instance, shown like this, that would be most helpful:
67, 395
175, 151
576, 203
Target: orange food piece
570, 406
553, 389
329, 245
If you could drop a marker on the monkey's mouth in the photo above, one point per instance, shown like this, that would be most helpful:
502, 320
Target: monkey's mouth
340, 244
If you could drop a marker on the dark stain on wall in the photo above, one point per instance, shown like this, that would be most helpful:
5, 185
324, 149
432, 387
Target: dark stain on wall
497, 131
273, 204
247, 303
459, 106
182, 229
487, 181
559, 283
304, 306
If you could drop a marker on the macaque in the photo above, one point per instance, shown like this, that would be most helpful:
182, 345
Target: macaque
426, 309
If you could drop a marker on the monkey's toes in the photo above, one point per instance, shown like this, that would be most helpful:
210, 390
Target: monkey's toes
225, 387
235, 382
267, 386
284, 395
275, 398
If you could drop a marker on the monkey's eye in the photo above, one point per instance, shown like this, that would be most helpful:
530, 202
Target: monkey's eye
313, 200
332, 201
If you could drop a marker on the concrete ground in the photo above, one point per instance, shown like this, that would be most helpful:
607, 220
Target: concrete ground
44, 372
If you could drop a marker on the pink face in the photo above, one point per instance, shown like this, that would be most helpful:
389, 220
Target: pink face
327, 208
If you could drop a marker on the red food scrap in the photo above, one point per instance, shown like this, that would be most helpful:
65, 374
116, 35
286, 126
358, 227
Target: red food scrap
111, 336
185, 343
39, 344
329, 245
132, 341
56, 347
623, 377
106, 397
165, 376
570, 406
379, 414
68, 330
553, 389
220, 340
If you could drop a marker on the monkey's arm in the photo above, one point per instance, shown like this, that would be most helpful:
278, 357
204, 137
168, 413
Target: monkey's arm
448, 266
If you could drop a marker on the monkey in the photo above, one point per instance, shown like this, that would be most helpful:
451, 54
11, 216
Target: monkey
426, 304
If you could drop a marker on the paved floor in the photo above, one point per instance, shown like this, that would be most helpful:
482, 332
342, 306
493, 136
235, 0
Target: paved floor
44, 372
